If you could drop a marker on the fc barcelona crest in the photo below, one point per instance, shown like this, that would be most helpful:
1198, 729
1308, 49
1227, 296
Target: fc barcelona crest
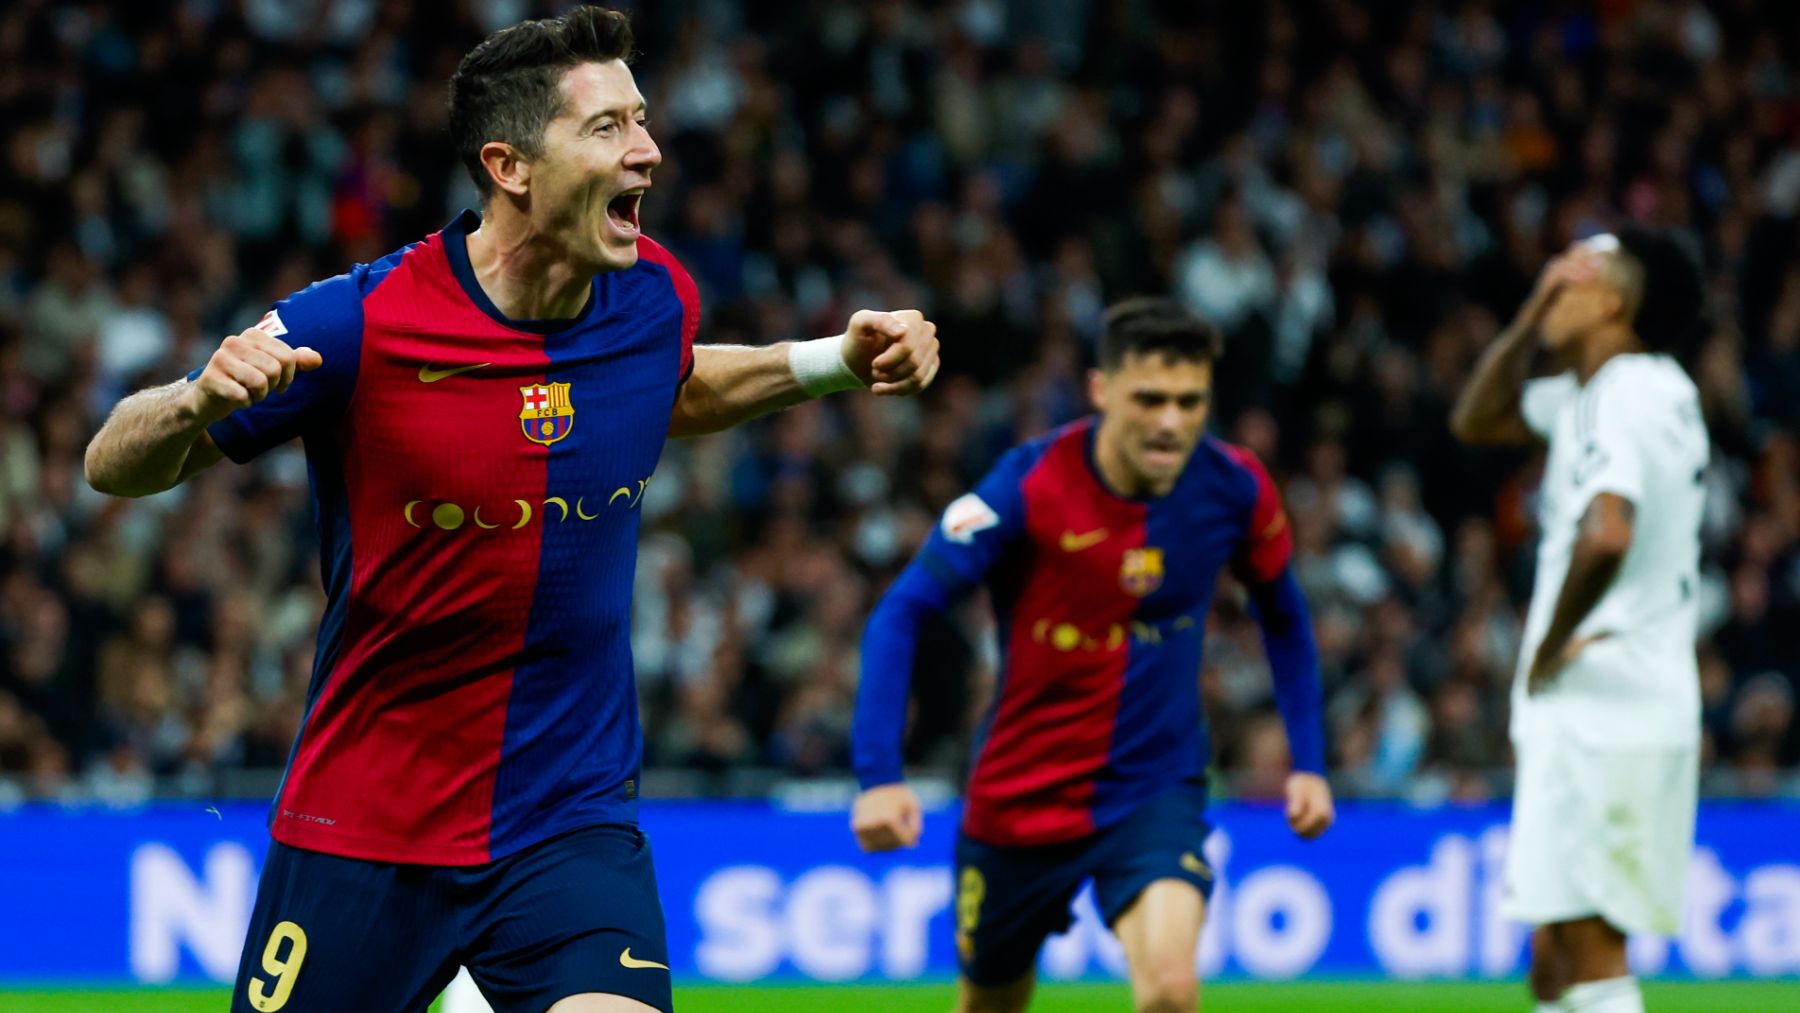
1141, 571
548, 414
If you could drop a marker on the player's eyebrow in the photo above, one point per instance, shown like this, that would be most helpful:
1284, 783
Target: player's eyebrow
617, 111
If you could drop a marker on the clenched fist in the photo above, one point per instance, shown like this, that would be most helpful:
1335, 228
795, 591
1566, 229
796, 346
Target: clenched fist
1310, 811
247, 367
886, 817
892, 353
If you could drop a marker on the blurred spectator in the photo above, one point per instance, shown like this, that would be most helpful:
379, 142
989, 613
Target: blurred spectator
1359, 194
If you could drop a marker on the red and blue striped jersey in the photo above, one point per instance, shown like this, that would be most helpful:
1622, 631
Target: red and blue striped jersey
476, 484
1102, 603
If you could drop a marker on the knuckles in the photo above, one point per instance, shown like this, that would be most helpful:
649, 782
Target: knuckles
238, 346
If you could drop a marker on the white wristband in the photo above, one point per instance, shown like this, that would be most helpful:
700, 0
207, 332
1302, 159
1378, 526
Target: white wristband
819, 366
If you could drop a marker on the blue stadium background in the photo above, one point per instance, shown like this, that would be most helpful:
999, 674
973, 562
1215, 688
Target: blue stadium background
756, 892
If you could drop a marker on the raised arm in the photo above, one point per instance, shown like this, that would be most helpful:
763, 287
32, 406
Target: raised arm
156, 439
261, 388
1488, 411
889, 353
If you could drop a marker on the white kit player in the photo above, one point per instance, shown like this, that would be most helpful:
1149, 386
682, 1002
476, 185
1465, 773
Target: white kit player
1606, 701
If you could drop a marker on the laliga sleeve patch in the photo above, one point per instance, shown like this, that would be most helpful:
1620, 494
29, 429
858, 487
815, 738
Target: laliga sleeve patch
271, 324
968, 516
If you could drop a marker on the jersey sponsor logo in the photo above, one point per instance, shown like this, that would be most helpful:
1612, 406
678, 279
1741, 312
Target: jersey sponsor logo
1065, 637
271, 324
1141, 570
631, 497
1072, 542
432, 374
627, 960
450, 516
548, 414
966, 517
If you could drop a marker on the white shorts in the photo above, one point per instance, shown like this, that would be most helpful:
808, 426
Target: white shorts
1603, 832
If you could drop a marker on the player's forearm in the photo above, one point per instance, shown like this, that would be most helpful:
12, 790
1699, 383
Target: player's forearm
1294, 666
732, 384
151, 442
1488, 409
1599, 552
878, 729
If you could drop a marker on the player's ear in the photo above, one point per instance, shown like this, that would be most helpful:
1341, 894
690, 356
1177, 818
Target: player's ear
1618, 305
507, 166
1097, 389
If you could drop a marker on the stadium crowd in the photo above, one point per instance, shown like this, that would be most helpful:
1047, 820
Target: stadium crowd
1359, 197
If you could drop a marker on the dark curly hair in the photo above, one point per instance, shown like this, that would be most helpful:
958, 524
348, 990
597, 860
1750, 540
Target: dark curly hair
1671, 314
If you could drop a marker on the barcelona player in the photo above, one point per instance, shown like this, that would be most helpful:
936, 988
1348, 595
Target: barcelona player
1100, 546
481, 412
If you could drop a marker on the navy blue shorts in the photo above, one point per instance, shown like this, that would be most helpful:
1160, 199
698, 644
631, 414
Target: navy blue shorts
1009, 900
577, 913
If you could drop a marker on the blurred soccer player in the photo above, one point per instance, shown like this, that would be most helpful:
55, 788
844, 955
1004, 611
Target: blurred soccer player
1101, 546
1606, 701
482, 412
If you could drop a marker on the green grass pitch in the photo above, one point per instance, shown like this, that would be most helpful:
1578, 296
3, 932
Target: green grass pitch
1227, 997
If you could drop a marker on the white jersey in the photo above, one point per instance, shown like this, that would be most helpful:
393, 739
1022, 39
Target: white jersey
1635, 430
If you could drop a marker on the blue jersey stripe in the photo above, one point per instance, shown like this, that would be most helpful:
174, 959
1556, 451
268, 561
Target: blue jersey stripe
572, 744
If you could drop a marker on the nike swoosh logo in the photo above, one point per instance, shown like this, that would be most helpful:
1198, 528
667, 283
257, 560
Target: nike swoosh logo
1072, 542
429, 375
634, 963
1193, 864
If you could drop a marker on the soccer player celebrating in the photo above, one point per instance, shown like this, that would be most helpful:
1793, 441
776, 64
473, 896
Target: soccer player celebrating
1606, 701
481, 412
1101, 545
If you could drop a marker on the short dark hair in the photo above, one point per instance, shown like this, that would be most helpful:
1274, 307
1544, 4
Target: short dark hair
508, 88
1154, 324
1671, 313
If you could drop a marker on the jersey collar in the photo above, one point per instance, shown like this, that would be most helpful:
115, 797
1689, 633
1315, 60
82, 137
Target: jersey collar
455, 237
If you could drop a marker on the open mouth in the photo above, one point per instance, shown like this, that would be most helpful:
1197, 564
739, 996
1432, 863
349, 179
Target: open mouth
622, 213
1162, 451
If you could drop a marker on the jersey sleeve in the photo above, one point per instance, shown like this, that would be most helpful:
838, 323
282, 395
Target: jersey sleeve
1261, 562
685, 291
327, 317
972, 534
1268, 541
1613, 425
1544, 399
977, 527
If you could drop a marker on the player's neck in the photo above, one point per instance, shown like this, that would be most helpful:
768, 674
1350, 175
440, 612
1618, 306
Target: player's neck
525, 277
1600, 348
